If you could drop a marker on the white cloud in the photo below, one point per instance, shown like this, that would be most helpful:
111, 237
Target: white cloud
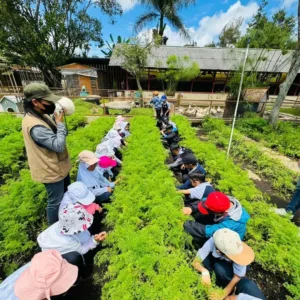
210, 27
288, 3
127, 4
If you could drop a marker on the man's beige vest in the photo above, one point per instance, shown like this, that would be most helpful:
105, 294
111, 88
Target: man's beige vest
46, 166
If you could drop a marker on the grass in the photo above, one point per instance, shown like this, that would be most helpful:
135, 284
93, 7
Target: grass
291, 111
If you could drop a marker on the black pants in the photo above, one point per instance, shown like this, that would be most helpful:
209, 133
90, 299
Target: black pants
158, 113
83, 262
222, 268
249, 287
103, 198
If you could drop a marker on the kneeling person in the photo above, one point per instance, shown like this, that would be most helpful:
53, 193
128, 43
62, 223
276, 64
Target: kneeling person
225, 255
227, 211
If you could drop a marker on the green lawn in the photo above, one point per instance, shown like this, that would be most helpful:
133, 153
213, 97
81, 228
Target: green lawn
292, 111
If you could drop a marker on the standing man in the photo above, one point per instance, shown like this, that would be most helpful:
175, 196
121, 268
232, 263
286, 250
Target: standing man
156, 101
166, 106
45, 142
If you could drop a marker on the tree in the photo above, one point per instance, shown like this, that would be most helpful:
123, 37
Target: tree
134, 57
159, 10
46, 33
112, 44
285, 86
179, 69
212, 44
277, 33
231, 33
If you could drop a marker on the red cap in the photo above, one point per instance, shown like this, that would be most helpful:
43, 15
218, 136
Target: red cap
216, 202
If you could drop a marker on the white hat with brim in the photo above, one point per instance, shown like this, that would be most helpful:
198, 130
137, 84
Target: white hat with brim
79, 192
48, 275
229, 242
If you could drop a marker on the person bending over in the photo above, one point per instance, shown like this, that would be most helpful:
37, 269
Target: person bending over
190, 164
47, 275
63, 236
227, 257
93, 178
227, 212
200, 190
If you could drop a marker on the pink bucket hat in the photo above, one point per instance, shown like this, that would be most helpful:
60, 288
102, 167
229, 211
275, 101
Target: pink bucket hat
48, 275
106, 162
74, 219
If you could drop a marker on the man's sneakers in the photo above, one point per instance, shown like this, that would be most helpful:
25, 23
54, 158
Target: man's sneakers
283, 212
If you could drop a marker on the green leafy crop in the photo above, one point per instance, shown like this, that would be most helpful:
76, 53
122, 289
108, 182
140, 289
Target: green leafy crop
146, 253
274, 238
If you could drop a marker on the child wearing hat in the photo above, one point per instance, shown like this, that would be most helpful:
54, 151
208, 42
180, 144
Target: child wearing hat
227, 212
190, 163
225, 255
92, 177
156, 101
165, 106
63, 236
48, 274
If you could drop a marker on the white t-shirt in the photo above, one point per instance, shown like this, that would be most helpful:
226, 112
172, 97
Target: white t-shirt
209, 247
198, 191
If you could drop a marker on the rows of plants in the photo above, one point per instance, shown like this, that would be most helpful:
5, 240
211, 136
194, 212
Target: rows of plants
272, 170
146, 255
13, 157
283, 138
274, 238
23, 202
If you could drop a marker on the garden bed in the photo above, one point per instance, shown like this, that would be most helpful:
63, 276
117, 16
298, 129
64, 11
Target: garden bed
274, 239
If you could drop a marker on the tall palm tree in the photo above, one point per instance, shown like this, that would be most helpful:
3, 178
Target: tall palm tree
160, 10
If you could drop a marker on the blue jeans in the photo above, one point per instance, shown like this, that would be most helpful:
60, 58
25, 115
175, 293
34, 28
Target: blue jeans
249, 287
294, 205
222, 268
55, 193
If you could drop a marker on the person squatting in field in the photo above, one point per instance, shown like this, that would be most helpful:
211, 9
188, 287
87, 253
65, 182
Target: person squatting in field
225, 255
45, 143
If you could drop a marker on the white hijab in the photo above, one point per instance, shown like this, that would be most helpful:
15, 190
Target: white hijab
123, 129
111, 135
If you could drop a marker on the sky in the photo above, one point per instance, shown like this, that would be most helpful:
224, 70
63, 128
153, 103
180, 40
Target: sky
204, 20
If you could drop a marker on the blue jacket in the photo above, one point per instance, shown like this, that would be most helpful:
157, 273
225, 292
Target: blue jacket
187, 185
156, 101
236, 221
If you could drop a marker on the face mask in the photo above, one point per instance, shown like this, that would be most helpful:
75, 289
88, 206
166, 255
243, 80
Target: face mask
49, 108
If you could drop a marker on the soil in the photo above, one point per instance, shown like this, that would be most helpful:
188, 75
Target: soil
270, 284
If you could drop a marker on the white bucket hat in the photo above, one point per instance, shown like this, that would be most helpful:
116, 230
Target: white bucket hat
79, 192
74, 219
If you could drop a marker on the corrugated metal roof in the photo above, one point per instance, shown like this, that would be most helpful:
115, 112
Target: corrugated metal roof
219, 59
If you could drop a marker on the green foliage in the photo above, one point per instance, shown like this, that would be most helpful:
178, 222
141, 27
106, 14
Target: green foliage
87, 139
23, 202
146, 255
282, 179
134, 57
274, 238
283, 138
46, 34
141, 112
277, 33
291, 111
9, 124
112, 44
158, 11
230, 33
179, 69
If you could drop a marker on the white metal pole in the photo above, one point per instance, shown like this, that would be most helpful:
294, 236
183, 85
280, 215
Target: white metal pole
238, 100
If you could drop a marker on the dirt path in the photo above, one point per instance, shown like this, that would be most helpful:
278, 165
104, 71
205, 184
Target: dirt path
287, 162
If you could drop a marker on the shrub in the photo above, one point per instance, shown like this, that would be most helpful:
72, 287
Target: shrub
146, 255
9, 124
274, 238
